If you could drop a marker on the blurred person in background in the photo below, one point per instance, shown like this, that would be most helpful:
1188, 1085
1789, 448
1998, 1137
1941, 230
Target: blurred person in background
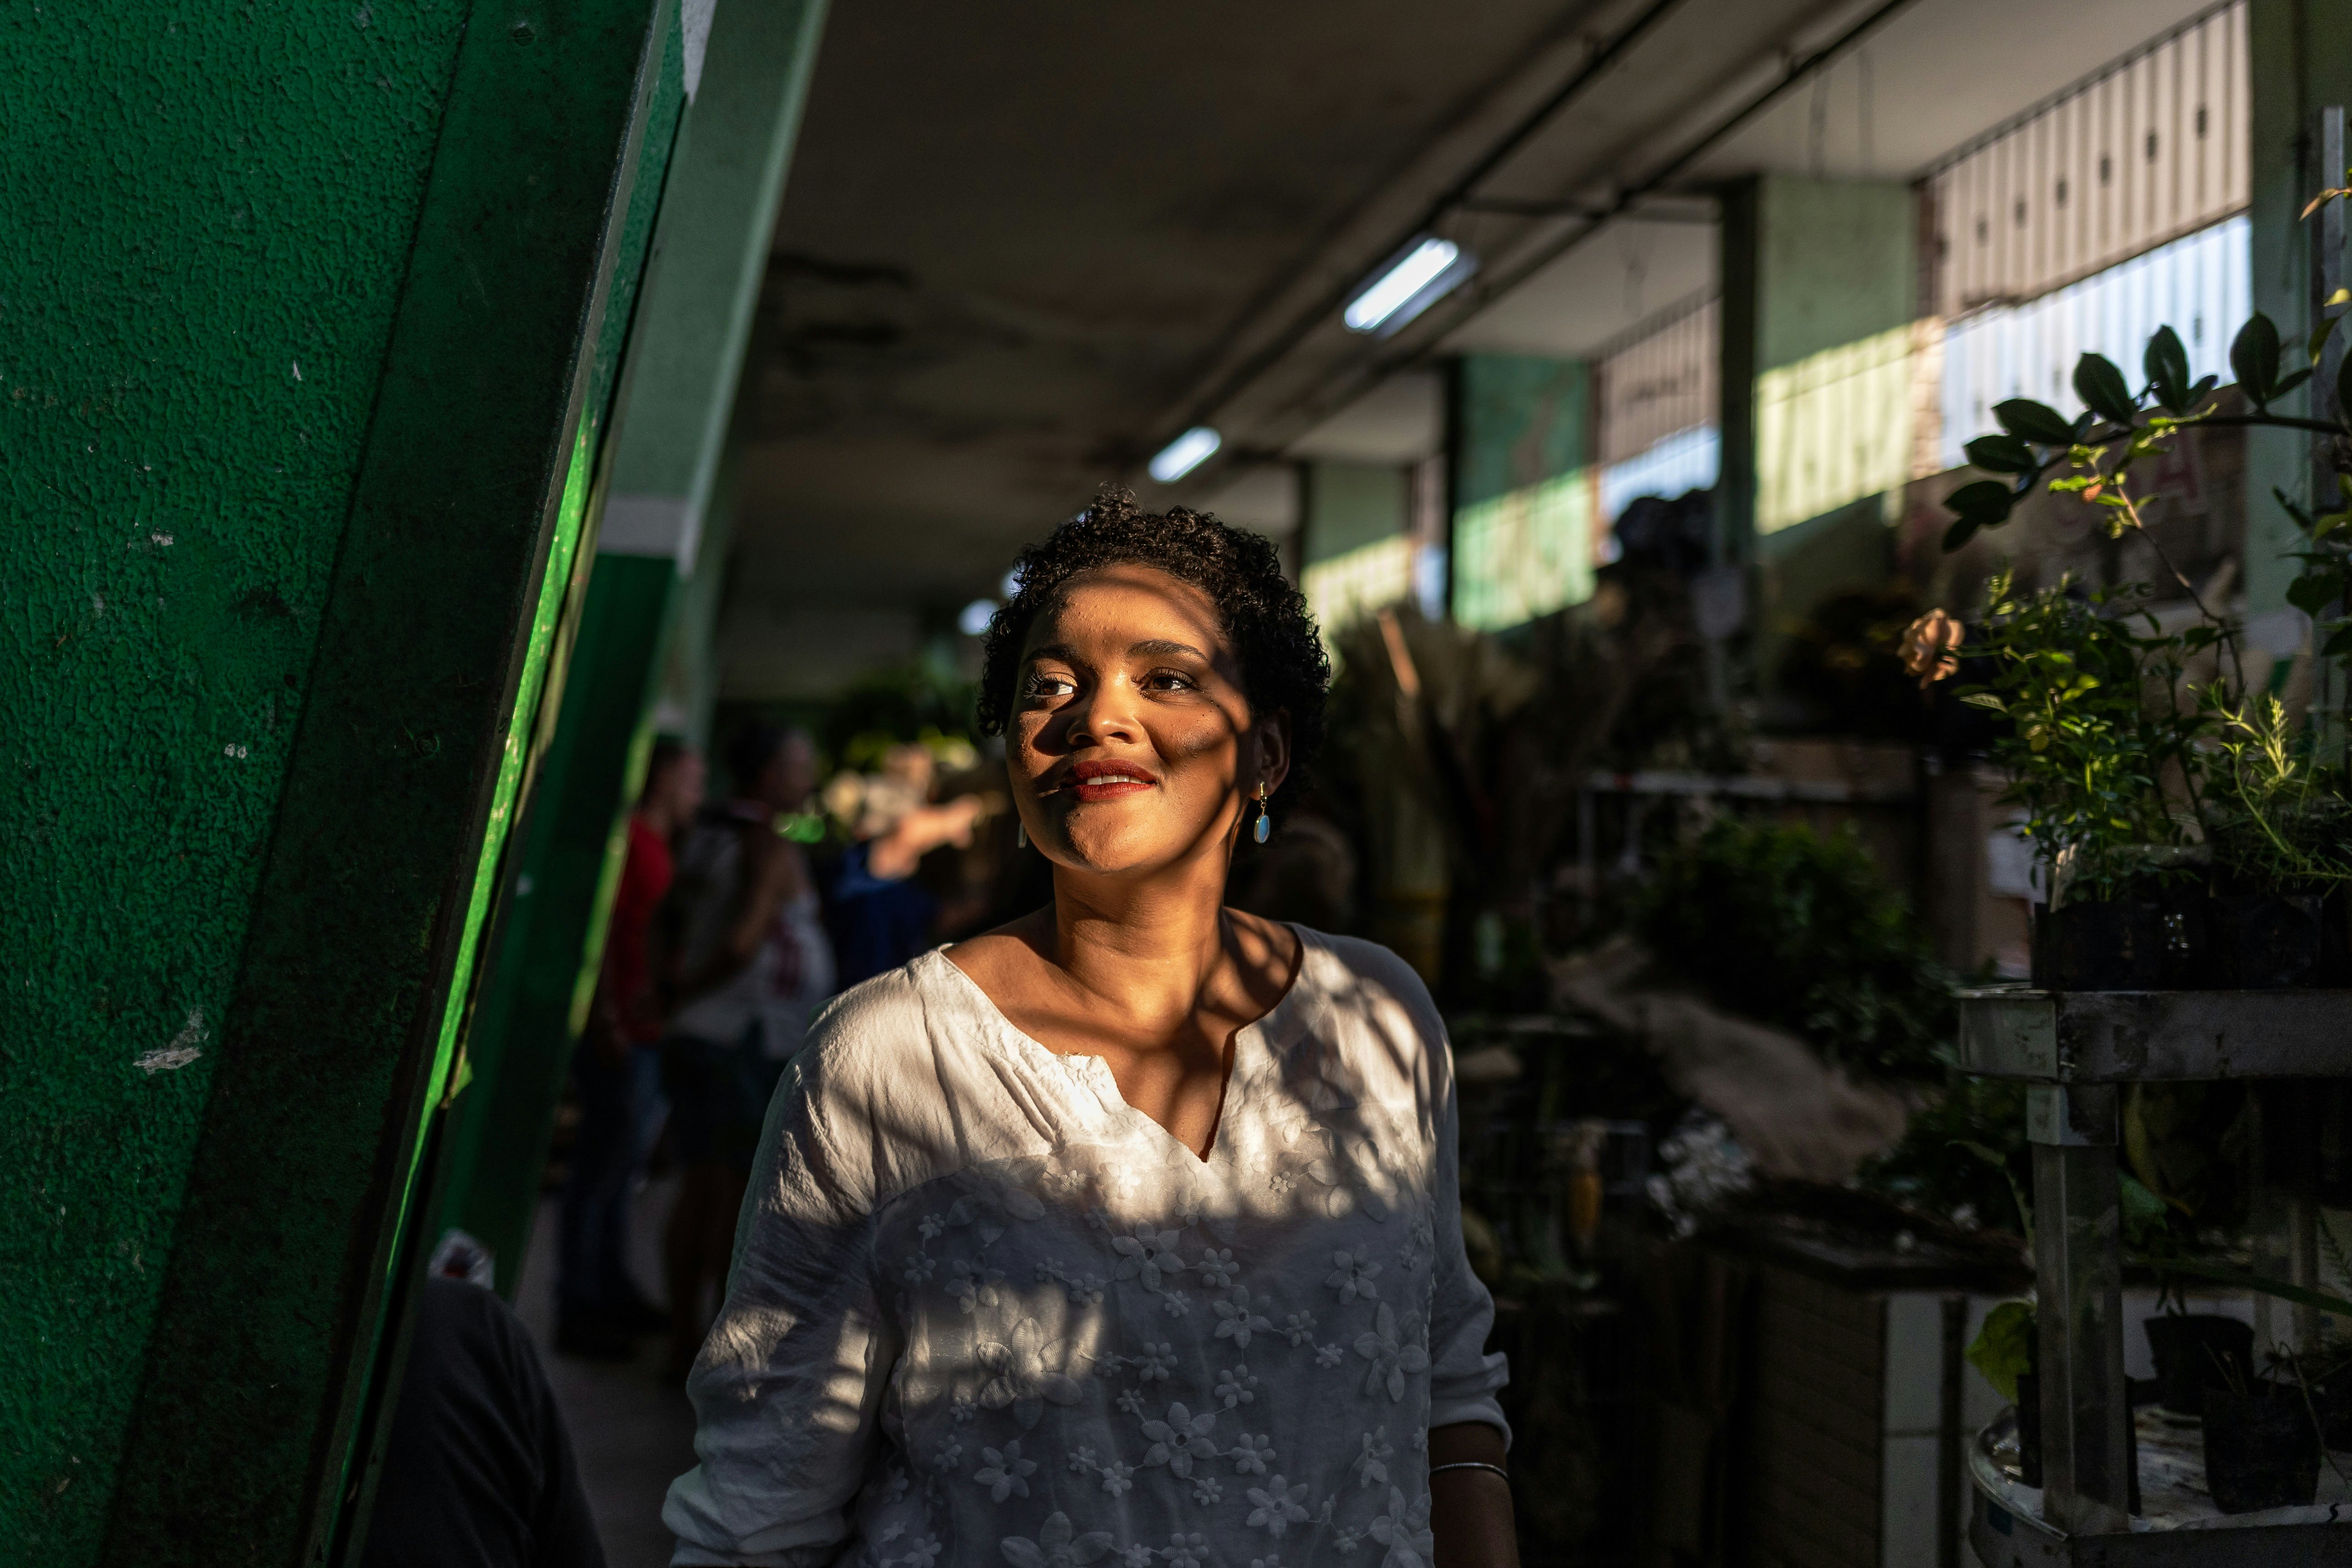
880, 915
478, 1467
599, 1309
753, 963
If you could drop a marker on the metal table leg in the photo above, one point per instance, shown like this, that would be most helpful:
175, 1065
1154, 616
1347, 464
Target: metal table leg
2077, 1256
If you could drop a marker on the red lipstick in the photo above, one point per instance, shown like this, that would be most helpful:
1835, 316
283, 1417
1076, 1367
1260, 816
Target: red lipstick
1096, 779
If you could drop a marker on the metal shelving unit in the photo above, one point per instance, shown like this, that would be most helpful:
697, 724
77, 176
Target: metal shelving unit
2074, 1050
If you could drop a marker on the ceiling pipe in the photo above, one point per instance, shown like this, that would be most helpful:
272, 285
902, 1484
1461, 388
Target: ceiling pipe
1454, 197
1486, 291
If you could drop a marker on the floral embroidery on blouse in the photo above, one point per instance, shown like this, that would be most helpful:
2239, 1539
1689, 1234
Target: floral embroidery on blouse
1055, 1546
1049, 1397
1006, 1472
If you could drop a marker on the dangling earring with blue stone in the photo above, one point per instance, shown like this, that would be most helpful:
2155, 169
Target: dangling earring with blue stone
1019, 833
1263, 828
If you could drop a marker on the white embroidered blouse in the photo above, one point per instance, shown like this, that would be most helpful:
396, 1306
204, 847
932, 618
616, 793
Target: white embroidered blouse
982, 1310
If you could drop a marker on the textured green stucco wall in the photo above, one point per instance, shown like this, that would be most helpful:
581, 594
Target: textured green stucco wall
210, 209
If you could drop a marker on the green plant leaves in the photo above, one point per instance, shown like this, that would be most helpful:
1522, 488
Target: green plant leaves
2005, 1347
2003, 455
2035, 422
2101, 386
2328, 321
1984, 504
2314, 591
2238, 1277
2144, 1214
2166, 361
2084, 752
2254, 359
1801, 931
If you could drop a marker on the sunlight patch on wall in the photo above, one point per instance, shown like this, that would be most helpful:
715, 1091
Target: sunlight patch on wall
1833, 429
1524, 553
1351, 587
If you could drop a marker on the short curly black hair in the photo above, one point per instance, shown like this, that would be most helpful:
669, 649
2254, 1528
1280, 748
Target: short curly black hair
1283, 667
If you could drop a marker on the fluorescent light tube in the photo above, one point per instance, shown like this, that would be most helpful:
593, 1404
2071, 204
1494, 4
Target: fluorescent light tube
1413, 279
1185, 453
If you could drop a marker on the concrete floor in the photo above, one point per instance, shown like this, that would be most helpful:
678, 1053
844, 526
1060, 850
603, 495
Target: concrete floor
633, 1428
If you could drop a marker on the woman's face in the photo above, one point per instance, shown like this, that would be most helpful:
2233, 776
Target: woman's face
1131, 745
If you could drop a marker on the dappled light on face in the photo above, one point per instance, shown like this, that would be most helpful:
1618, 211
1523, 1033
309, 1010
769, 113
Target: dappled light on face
1131, 665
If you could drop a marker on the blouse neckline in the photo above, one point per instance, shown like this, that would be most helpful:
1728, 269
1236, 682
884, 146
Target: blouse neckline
1095, 1070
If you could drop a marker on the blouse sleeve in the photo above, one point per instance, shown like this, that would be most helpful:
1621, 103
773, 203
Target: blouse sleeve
788, 1385
1463, 1378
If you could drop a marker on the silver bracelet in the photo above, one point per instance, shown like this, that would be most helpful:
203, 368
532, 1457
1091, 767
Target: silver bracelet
1470, 1464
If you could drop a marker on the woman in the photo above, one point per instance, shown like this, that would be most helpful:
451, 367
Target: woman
1127, 1233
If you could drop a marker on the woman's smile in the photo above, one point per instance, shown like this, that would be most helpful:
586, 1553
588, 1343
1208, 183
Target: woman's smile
1097, 779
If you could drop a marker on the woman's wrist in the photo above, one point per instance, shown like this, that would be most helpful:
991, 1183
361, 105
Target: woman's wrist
1436, 1470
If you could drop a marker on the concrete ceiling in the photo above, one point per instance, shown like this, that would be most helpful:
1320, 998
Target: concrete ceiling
1023, 245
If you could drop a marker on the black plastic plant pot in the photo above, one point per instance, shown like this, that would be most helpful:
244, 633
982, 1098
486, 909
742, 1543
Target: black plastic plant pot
2192, 1351
2266, 942
2261, 1450
2099, 944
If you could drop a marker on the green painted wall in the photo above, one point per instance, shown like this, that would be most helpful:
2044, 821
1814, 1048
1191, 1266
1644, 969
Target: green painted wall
1520, 450
2300, 58
684, 355
299, 318
549, 936
210, 212
1516, 421
1807, 265
1351, 505
690, 665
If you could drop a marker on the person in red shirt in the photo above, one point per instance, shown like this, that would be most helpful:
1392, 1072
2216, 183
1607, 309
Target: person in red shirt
599, 1308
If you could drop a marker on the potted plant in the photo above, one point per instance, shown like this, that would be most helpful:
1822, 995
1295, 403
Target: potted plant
2280, 831
2262, 1442
2105, 760
2278, 835
2196, 1353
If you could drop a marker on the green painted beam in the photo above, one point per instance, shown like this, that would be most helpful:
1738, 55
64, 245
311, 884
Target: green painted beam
685, 357
549, 938
443, 632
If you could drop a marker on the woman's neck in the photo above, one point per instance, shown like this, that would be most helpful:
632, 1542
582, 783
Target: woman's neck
1149, 949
